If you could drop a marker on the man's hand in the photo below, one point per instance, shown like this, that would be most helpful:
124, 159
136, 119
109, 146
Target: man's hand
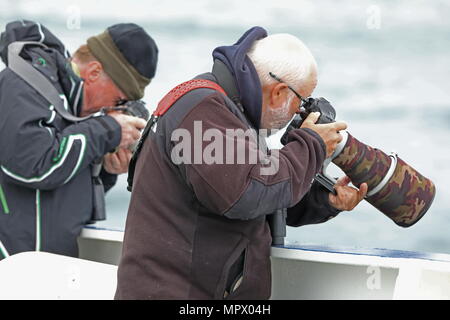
328, 132
347, 197
117, 162
131, 127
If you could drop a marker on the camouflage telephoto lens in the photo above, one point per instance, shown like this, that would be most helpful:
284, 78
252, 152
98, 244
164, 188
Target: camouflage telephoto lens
405, 197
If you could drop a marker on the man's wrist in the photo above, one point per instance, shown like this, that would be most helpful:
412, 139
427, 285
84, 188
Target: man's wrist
319, 138
114, 131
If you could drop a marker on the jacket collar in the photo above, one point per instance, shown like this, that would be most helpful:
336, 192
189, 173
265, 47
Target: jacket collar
246, 80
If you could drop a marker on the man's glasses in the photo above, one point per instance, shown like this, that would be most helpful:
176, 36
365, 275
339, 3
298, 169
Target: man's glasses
290, 88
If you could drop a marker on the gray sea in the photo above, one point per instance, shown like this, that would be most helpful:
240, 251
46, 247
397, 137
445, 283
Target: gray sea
384, 65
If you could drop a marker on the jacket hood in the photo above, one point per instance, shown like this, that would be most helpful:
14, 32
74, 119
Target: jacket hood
244, 73
57, 66
25, 30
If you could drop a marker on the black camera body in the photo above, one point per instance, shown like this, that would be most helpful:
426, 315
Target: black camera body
136, 108
322, 105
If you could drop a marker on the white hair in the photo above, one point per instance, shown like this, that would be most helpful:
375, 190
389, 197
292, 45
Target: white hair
284, 55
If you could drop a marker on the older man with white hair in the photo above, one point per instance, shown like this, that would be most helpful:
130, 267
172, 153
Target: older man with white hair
286, 57
196, 228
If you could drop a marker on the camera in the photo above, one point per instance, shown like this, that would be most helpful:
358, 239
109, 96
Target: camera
322, 105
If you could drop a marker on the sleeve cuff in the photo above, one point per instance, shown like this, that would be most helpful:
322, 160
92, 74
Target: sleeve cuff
318, 137
325, 194
113, 128
313, 134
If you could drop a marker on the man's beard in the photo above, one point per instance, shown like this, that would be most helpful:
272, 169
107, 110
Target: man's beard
279, 117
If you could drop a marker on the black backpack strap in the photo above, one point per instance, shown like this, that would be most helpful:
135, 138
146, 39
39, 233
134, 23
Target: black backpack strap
137, 151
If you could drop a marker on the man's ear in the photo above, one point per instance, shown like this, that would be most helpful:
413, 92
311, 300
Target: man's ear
93, 71
278, 94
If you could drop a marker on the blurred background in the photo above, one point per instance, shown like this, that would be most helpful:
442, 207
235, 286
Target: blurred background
384, 66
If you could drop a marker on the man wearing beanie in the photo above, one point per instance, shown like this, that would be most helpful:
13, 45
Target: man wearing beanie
47, 161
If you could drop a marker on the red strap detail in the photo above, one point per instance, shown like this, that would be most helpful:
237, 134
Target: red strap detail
180, 90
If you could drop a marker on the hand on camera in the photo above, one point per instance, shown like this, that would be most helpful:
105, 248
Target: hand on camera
117, 162
347, 197
130, 126
328, 132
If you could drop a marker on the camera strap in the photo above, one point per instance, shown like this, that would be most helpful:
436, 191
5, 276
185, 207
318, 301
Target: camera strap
37, 80
163, 106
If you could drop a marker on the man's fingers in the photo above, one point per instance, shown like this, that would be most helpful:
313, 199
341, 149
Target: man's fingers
343, 181
136, 135
339, 125
347, 198
126, 156
138, 122
312, 118
363, 190
122, 156
113, 160
333, 198
117, 162
125, 120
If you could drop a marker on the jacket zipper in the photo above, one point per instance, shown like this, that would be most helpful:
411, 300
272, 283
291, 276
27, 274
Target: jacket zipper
3, 201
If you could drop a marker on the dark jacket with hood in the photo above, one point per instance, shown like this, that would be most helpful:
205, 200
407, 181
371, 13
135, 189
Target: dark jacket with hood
45, 161
198, 230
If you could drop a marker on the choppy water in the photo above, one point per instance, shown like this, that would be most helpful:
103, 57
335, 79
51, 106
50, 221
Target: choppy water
384, 65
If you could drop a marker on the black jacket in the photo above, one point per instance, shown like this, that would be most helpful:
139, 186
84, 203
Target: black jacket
45, 161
